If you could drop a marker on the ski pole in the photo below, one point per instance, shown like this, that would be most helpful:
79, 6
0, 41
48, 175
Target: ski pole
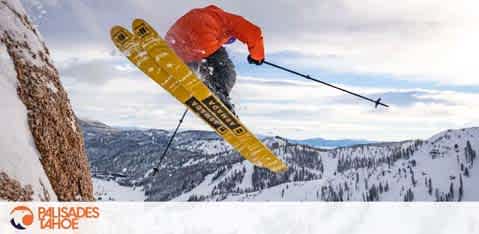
376, 102
157, 168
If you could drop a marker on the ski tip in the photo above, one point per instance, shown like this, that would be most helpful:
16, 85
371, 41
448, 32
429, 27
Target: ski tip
142, 29
114, 30
120, 36
138, 20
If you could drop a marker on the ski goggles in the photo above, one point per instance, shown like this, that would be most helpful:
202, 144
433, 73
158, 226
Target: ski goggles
230, 41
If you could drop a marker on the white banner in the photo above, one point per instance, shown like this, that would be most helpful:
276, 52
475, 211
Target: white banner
248, 218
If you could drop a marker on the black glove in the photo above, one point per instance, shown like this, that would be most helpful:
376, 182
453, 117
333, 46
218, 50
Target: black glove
254, 61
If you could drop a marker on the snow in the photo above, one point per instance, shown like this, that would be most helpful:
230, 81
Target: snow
19, 157
443, 170
247, 181
16, 28
15, 5
105, 190
208, 147
202, 189
294, 191
205, 187
192, 162
52, 87
74, 127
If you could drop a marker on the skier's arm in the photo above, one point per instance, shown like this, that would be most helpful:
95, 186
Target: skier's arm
247, 33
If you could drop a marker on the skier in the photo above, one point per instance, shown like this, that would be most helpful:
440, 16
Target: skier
198, 38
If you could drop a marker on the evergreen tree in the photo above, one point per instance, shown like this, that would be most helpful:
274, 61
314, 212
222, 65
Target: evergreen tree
451, 191
340, 193
461, 188
429, 190
469, 153
466, 172
409, 196
413, 180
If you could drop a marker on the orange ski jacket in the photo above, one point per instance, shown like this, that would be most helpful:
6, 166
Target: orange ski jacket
202, 31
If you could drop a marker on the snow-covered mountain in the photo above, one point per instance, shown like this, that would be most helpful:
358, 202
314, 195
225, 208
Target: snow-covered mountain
200, 166
325, 143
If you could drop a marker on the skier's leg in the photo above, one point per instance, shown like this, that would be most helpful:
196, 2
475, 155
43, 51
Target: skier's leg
219, 71
224, 69
203, 71
200, 68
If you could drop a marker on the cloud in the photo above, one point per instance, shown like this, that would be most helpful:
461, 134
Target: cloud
418, 40
405, 98
97, 72
414, 40
410, 41
286, 110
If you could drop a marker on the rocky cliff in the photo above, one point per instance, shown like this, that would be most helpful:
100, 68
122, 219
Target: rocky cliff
39, 127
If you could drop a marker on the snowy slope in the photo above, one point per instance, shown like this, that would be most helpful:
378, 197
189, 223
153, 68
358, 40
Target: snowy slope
19, 156
430, 170
110, 190
210, 147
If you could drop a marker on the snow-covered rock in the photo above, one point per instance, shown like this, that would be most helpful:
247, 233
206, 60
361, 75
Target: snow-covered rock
22, 175
42, 154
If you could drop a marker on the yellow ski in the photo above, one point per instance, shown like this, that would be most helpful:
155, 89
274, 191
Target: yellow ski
151, 54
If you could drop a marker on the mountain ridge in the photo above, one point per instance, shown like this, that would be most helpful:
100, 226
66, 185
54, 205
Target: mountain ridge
327, 143
200, 166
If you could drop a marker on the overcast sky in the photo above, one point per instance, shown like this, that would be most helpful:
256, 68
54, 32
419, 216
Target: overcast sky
420, 56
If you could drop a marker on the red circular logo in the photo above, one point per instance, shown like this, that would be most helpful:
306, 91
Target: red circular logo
21, 217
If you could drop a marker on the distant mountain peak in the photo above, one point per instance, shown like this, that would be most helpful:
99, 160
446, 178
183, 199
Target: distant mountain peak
324, 143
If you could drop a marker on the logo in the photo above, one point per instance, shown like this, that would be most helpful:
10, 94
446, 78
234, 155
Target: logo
65, 217
21, 217
224, 115
52, 217
206, 115
142, 30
